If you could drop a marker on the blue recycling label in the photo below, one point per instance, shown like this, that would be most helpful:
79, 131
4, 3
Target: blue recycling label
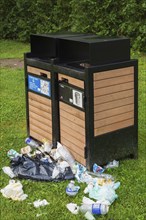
39, 85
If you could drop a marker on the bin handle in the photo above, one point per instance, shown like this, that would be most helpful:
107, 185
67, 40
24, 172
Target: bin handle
64, 79
43, 74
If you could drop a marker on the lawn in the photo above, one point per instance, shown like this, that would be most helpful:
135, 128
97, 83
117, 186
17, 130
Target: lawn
130, 204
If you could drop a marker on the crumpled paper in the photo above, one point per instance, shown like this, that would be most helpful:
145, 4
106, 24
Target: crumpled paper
14, 191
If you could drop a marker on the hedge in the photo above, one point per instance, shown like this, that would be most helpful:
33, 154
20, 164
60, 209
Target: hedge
20, 18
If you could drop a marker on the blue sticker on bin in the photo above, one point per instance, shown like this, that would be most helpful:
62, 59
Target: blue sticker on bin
39, 85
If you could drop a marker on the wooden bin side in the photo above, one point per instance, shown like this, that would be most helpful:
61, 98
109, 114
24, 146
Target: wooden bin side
113, 100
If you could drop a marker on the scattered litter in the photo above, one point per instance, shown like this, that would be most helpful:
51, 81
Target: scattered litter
89, 187
14, 191
39, 203
26, 150
13, 154
35, 169
98, 209
73, 208
112, 164
32, 143
97, 168
89, 216
65, 154
47, 147
87, 201
71, 189
9, 172
103, 193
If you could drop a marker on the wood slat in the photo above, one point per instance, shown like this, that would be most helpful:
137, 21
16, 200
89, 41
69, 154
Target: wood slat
72, 110
113, 73
40, 118
71, 80
76, 155
113, 89
114, 119
38, 71
73, 133
72, 139
40, 131
113, 81
112, 112
113, 96
72, 118
72, 147
41, 106
39, 137
114, 127
68, 124
40, 112
113, 104
39, 99
40, 125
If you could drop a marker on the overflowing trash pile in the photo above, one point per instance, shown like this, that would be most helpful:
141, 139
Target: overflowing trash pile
44, 163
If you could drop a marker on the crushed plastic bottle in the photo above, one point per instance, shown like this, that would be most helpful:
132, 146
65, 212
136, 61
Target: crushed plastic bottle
32, 143
97, 209
97, 169
71, 189
13, 154
65, 154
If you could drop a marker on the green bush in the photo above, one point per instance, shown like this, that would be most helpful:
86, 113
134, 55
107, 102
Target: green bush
20, 18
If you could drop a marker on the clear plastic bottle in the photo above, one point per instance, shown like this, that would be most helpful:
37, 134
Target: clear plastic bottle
97, 209
32, 143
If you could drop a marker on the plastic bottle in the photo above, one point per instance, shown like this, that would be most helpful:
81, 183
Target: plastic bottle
32, 143
98, 209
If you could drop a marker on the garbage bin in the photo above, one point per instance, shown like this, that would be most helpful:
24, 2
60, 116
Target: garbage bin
97, 99
40, 83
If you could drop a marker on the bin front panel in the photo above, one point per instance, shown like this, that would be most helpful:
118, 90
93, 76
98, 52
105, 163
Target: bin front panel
39, 106
72, 123
113, 100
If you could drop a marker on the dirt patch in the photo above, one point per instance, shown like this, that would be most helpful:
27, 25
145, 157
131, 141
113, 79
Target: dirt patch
12, 63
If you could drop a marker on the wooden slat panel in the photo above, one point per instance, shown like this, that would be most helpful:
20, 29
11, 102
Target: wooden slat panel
75, 151
72, 147
113, 96
68, 124
39, 137
115, 118
40, 118
72, 133
113, 81
72, 139
38, 71
113, 89
112, 112
71, 80
40, 125
113, 73
72, 110
72, 118
114, 104
40, 112
114, 127
39, 105
40, 131
39, 98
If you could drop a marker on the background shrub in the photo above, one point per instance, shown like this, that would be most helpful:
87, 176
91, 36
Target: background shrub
20, 18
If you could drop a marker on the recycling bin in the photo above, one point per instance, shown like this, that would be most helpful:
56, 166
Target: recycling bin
98, 100
40, 83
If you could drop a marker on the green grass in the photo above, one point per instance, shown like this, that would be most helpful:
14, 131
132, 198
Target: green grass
12, 49
131, 173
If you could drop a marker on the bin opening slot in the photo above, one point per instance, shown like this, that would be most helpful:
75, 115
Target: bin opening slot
43, 74
64, 79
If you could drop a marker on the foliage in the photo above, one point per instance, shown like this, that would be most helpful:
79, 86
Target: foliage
20, 18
